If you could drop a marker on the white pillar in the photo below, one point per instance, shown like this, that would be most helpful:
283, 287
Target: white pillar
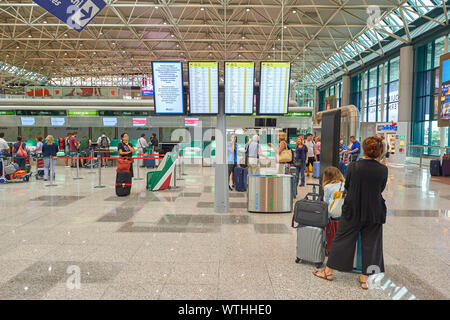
345, 91
221, 203
382, 94
405, 93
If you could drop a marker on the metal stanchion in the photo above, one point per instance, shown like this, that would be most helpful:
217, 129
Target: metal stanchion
78, 168
182, 166
52, 172
137, 171
179, 167
99, 172
92, 162
175, 177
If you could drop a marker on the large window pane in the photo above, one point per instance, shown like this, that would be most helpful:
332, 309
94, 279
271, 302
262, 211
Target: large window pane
394, 69
372, 114
393, 112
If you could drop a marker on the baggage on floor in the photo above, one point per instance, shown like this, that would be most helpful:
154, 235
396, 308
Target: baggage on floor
446, 165
311, 243
343, 168
435, 168
40, 167
11, 168
240, 178
18, 174
123, 183
316, 169
308, 212
331, 232
123, 164
311, 217
149, 163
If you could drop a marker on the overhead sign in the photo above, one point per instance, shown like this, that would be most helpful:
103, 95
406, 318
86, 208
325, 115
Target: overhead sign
75, 13
387, 127
82, 113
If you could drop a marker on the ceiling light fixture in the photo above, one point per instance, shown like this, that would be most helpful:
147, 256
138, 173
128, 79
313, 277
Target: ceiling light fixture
248, 9
294, 11
202, 9
172, 35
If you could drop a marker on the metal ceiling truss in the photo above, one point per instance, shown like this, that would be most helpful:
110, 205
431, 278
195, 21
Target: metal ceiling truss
319, 37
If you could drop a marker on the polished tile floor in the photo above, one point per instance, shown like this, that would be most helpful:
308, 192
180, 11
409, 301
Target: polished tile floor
74, 241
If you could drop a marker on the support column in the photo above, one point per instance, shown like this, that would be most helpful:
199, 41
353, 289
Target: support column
221, 203
382, 107
363, 98
345, 93
405, 93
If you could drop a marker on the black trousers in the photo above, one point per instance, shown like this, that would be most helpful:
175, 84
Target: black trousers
342, 251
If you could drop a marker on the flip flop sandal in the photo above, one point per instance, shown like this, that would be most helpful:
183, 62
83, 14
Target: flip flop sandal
363, 283
325, 276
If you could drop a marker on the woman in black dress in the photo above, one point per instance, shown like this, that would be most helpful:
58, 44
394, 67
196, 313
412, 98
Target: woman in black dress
126, 149
363, 211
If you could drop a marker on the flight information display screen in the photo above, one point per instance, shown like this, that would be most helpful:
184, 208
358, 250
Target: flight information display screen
57, 121
109, 121
168, 87
274, 87
27, 121
239, 87
204, 87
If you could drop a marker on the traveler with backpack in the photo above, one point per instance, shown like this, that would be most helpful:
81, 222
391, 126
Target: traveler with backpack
49, 149
4, 147
84, 149
363, 211
103, 143
20, 149
155, 145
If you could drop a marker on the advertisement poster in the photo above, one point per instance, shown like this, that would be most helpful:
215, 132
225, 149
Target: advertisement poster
72, 92
147, 87
444, 91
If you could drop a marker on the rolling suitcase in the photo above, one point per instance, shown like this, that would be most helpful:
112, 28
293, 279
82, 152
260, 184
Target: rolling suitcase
149, 163
240, 179
311, 217
39, 168
316, 169
445, 169
435, 168
331, 232
343, 168
357, 261
123, 184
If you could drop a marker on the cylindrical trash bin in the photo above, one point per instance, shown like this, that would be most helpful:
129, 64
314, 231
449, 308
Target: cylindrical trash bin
269, 193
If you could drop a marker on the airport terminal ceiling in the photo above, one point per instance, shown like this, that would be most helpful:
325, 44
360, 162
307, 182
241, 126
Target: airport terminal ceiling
319, 37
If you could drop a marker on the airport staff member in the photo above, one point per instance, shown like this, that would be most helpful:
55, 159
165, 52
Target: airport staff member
355, 149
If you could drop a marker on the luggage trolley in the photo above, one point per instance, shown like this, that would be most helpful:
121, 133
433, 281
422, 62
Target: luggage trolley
12, 179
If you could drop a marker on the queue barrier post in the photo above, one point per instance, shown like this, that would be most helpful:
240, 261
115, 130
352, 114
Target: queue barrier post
78, 168
52, 173
99, 172
92, 162
137, 171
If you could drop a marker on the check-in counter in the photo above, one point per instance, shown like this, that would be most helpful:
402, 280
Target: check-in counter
270, 193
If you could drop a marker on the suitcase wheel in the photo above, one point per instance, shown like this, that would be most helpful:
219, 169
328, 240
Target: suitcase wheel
298, 260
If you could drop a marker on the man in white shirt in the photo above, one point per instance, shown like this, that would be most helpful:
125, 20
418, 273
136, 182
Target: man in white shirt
310, 145
142, 146
4, 147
